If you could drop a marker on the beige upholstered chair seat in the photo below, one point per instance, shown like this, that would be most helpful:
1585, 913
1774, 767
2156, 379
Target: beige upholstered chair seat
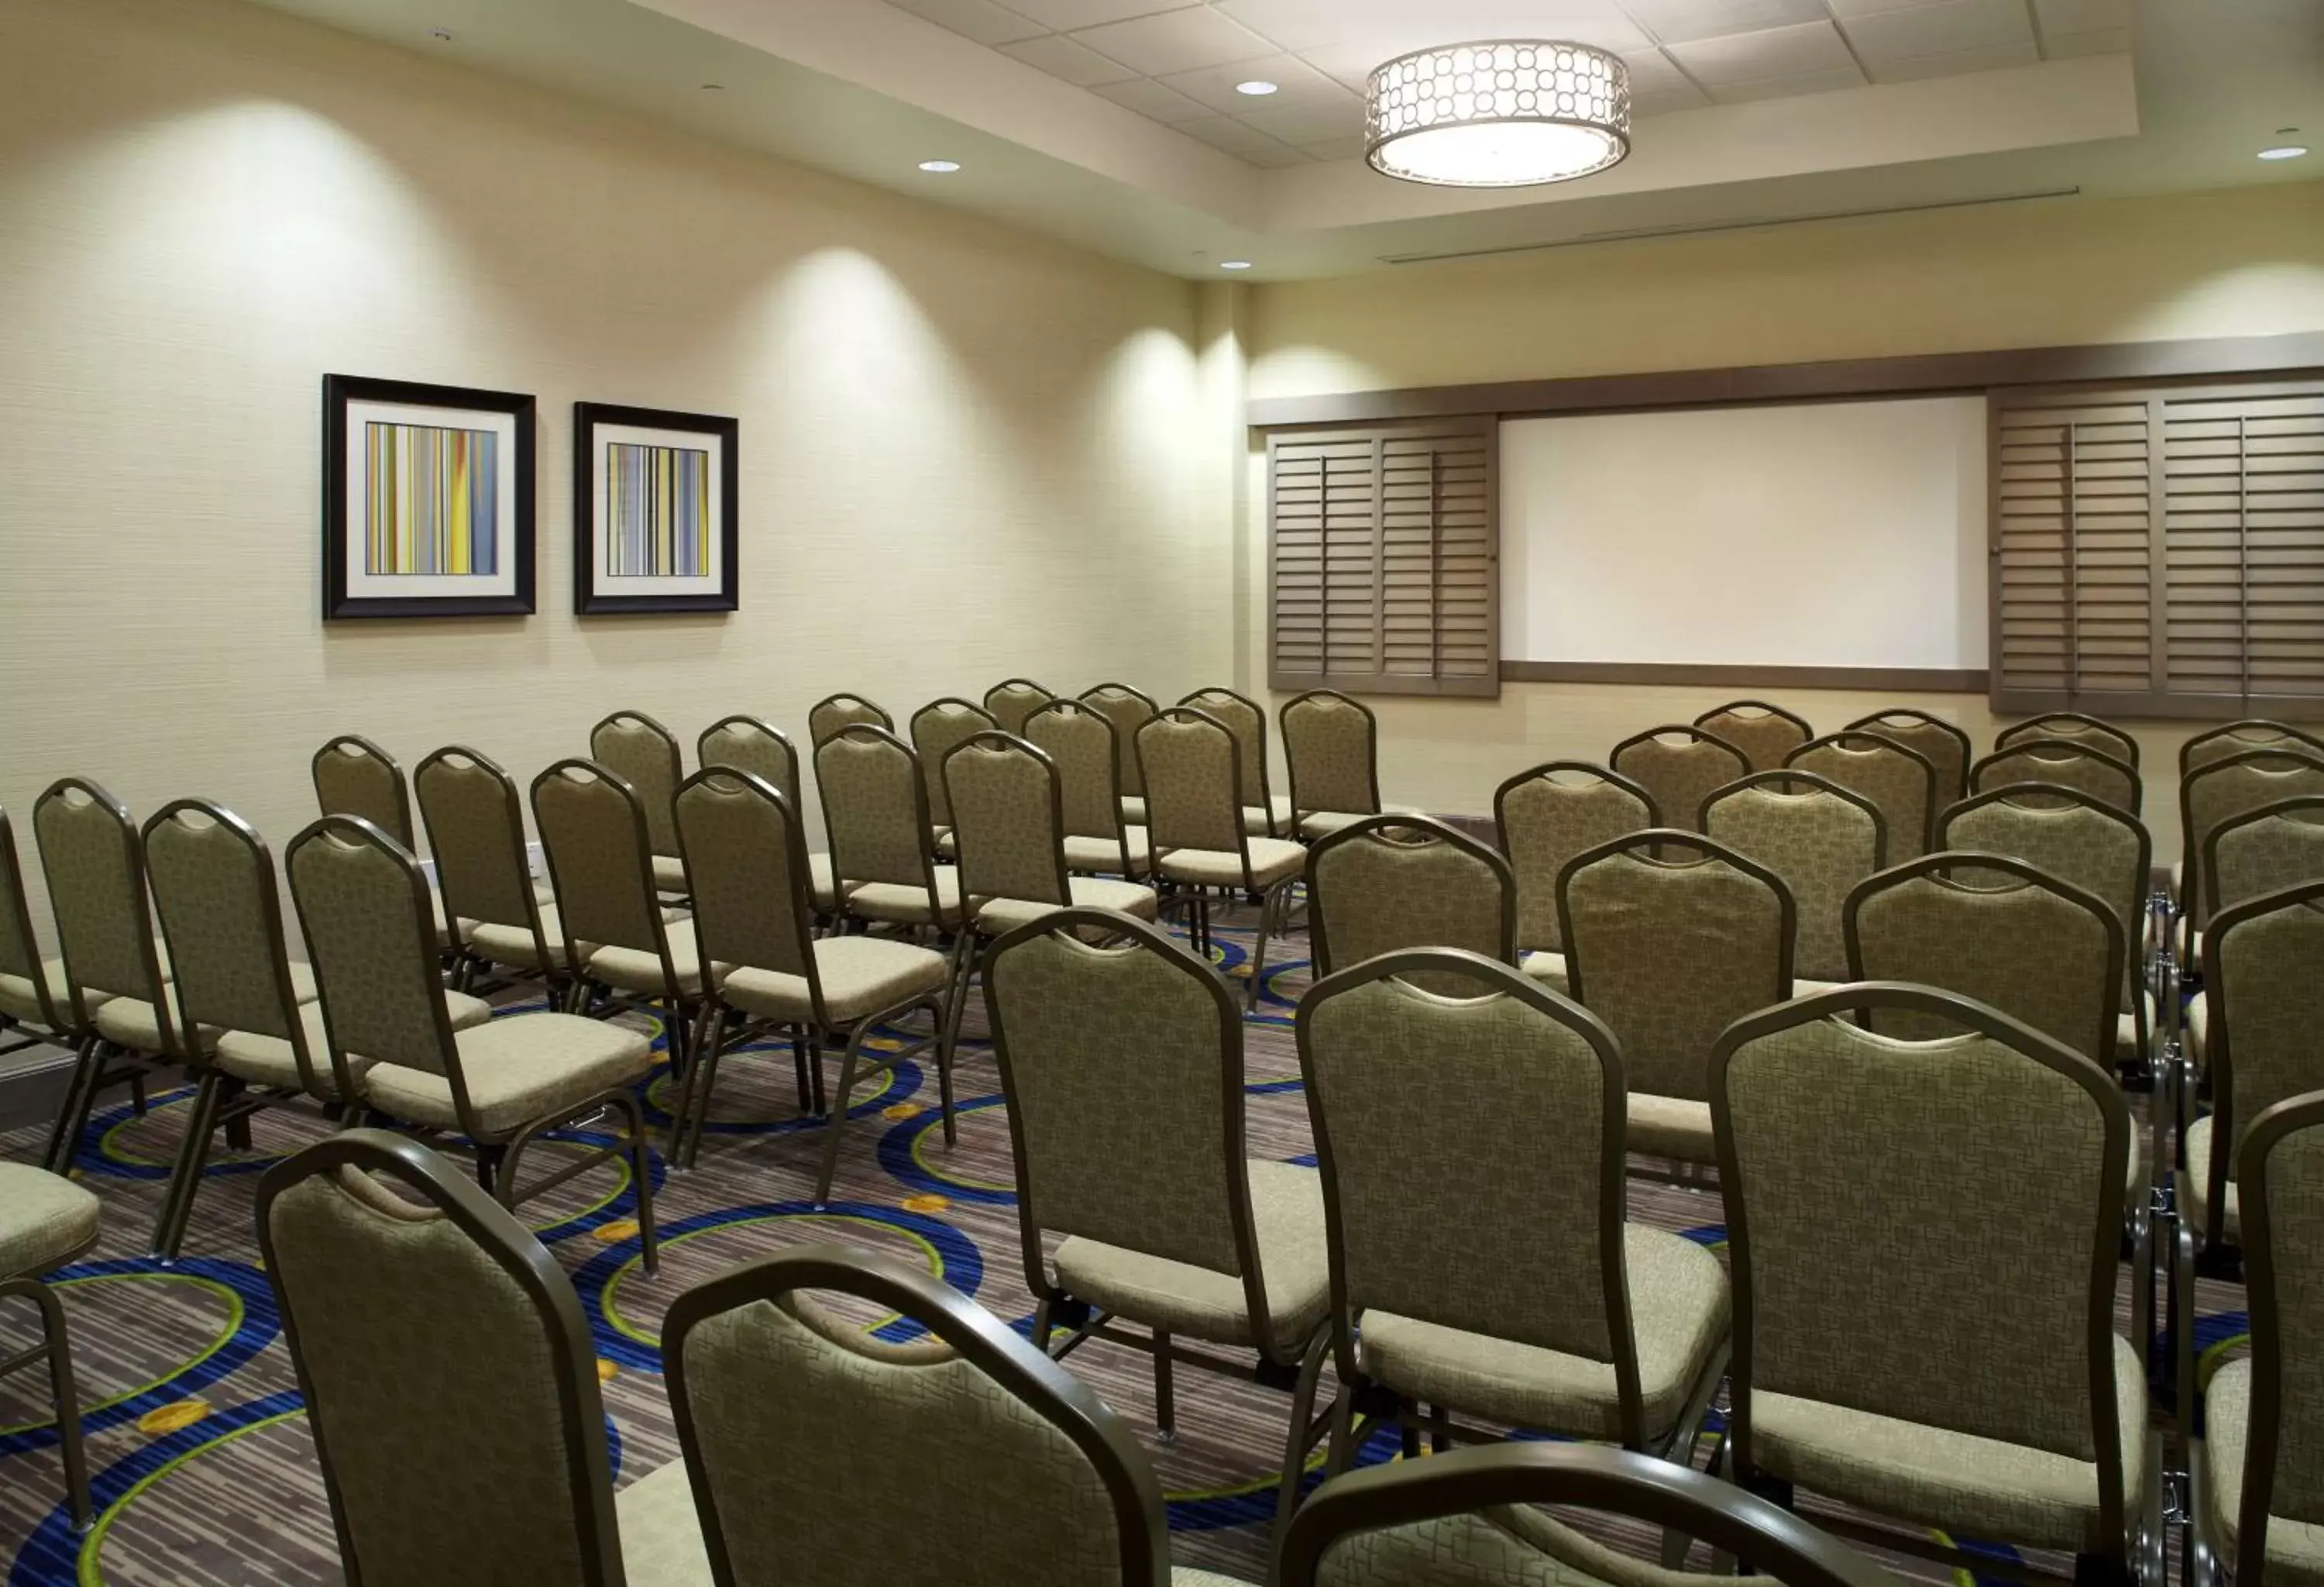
1671, 1127
133, 1022
21, 1000
1094, 892
947, 844
1678, 1306
2195, 1185
1271, 860
524, 1067
1286, 1214
1546, 967
44, 1218
1803, 987
2198, 1029
1189, 1576
903, 904
661, 1531
669, 874
1963, 1482
639, 970
1103, 853
1275, 818
1133, 810
860, 975
269, 1060
827, 890
2295, 1549
1324, 823
512, 944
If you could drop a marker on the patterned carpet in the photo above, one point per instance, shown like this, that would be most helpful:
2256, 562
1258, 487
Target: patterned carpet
204, 1471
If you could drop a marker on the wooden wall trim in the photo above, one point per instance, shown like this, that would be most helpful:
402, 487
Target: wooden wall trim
1906, 680
1914, 374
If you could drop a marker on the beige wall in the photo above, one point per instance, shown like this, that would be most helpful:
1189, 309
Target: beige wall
966, 452
2230, 263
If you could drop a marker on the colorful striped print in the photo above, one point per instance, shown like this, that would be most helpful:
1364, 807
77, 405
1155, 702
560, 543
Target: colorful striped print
657, 512
432, 499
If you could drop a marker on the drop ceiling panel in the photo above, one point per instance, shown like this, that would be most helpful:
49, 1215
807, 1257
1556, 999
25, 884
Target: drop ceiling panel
1295, 82
1310, 123
1152, 99
1391, 27
1176, 41
1064, 15
2097, 41
1796, 51
1947, 27
1680, 21
1060, 56
1787, 87
2080, 16
979, 20
1999, 57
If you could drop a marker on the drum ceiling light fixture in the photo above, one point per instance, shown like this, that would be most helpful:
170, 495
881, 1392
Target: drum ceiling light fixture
1497, 112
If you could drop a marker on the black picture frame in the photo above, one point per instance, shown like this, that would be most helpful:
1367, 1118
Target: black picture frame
338, 604
589, 597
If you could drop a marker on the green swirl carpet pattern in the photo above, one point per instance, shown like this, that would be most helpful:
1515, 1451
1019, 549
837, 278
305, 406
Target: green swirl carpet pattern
203, 1467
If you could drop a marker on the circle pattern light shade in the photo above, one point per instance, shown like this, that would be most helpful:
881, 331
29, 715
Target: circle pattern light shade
1500, 113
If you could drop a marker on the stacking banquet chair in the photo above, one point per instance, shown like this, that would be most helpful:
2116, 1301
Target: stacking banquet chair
2257, 1474
1330, 748
1265, 813
1192, 768
1550, 1312
1123, 1069
2260, 969
1129, 709
1678, 766
644, 754
2066, 763
355, 777
834, 714
35, 1004
421, 1316
1545, 817
1472, 1518
509, 927
745, 743
2258, 851
1821, 838
937, 728
2232, 738
875, 812
1946, 1361
2072, 727
1009, 1469
747, 865
1765, 734
1945, 747
502, 1084
1896, 776
1013, 699
2216, 789
214, 890
1407, 881
1080, 742
47, 1221
1669, 951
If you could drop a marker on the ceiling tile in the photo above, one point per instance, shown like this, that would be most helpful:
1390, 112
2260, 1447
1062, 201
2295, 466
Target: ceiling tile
1677, 22
1944, 29
1785, 87
2097, 41
1309, 123
1176, 41
1770, 52
1336, 149
1678, 94
1995, 58
1064, 15
1385, 28
1295, 82
1062, 58
1223, 131
979, 20
2080, 16
1148, 97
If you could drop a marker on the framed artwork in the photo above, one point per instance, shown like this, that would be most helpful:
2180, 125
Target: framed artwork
653, 511
427, 500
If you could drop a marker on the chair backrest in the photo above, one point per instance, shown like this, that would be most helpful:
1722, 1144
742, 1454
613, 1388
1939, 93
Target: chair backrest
1765, 734
643, 754
1996, 930
1670, 950
2077, 838
476, 830
1387, 883
746, 743
1821, 838
1247, 720
371, 937
1008, 819
746, 868
355, 777
2282, 1190
1129, 709
2253, 732
1331, 746
2072, 727
1468, 1518
1548, 814
796, 1424
2260, 972
20, 949
1520, 1119
1191, 767
1893, 776
1080, 742
1678, 766
834, 714
2067, 762
1945, 747
593, 832
2216, 790
94, 863
422, 1316
214, 890
2264, 850
1836, 1138
1013, 699
1123, 1069
875, 809
938, 728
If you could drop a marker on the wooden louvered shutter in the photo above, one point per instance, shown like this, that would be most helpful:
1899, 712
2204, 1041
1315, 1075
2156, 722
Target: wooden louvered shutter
1384, 573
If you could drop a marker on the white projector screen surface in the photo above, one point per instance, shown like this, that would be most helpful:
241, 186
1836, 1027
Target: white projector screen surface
1821, 534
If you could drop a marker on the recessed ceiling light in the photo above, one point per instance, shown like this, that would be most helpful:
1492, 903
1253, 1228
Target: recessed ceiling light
940, 167
1258, 88
714, 88
1234, 264
2284, 152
